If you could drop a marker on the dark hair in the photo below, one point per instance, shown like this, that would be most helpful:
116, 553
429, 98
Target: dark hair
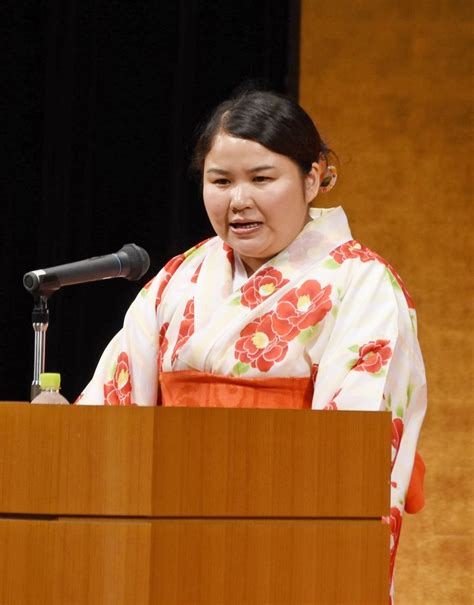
271, 119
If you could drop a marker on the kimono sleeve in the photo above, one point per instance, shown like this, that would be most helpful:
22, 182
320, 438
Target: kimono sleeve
372, 362
127, 372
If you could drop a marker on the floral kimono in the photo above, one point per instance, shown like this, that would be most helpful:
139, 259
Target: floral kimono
325, 312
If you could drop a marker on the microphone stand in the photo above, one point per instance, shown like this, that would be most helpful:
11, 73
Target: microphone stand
131, 262
40, 320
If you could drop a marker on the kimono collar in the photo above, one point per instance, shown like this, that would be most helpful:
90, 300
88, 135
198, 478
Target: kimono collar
219, 314
327, 229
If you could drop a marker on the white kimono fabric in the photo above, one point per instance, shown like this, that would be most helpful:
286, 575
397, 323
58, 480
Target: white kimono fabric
325, 307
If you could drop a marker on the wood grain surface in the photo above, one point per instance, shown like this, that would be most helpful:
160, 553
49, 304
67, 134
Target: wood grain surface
74, 562
231, 562
193, 562
153, 462
201, 506
74, 460
282, 463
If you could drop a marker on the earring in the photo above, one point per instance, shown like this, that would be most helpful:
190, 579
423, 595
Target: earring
329, 179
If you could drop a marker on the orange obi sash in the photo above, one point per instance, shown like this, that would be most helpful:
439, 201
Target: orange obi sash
415, 499
201, 389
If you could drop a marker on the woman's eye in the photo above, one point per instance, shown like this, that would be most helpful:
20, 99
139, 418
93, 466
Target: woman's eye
261, 179
221, 182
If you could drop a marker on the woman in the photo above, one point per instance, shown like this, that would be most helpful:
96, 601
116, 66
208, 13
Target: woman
283, 305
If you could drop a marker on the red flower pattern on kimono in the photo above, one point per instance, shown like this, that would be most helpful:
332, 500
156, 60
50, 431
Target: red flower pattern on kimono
301, 308
186, 329
351, 249
118, 390
354, 249
229, 252
395, 527
162, 344
332, 405
262, 285
170, 269
194, 278
259, 346
373, 356
397, 432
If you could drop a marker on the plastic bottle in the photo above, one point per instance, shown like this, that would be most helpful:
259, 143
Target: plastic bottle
50, 384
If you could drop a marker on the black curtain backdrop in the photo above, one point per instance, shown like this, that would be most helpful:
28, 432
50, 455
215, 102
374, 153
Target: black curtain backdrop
100, 103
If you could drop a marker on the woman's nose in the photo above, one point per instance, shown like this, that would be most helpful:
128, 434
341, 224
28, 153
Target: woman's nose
239, 198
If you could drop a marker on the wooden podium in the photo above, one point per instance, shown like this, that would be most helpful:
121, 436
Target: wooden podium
207, 506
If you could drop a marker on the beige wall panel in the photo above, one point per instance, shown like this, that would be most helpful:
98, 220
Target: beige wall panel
390, 86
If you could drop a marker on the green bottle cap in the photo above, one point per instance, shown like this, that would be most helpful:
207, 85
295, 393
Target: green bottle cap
50, 381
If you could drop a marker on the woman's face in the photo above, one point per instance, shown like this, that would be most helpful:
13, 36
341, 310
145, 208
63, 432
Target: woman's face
257, 200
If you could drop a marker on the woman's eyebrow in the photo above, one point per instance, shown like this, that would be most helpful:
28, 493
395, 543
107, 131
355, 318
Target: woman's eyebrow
259, 168
256, 169
217, 170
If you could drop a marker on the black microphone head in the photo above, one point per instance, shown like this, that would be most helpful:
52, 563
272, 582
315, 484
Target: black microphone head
138, 261
31, 281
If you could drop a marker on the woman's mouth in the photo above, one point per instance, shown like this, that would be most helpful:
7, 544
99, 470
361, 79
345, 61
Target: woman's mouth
245, 227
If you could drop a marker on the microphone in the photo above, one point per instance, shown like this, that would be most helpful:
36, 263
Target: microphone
130, 262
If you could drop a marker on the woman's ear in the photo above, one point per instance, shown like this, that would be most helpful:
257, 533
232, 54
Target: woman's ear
311, 182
